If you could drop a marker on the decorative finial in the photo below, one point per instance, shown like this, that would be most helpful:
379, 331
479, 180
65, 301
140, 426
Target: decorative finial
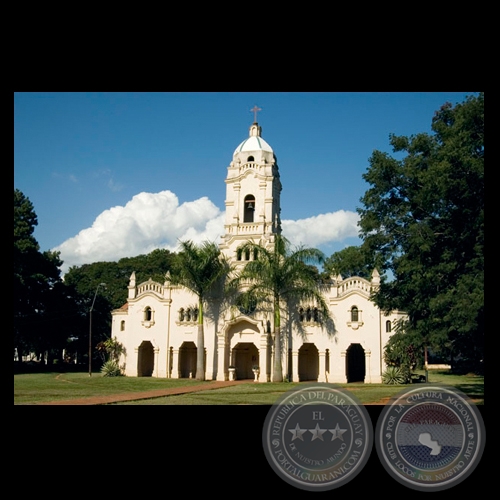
255, 109
132, 280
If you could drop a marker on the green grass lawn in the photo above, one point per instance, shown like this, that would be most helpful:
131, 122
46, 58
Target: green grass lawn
43, 387
267, 394
262, 394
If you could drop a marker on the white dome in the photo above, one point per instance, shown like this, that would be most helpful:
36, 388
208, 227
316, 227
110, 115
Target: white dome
254, 142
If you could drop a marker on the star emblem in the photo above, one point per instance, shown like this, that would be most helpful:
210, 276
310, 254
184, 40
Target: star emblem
317, 433
297, 433
337, 433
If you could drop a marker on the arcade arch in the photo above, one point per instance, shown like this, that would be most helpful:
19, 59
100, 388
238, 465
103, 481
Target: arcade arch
145, 359
308, 362
355, 363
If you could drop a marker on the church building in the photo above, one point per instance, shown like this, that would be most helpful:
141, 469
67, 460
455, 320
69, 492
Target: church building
158, 324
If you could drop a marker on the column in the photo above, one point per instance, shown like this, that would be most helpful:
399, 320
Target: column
322, 367
175, 364
343, 357
368, 369
263, 358
295, 366
135, 361
221, 357
156, 350
271, 357
337, 367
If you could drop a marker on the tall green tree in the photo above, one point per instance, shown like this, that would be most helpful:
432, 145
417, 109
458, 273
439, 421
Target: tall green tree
424, 217
350, 261
36, 283
278, 277
200, 269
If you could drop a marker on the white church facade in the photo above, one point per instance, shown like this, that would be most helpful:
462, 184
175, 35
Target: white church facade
158, 324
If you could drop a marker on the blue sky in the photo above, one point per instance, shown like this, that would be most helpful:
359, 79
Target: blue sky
116, 174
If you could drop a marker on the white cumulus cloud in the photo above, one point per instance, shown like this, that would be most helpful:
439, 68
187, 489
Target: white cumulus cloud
156, 220
148, 221
321, 229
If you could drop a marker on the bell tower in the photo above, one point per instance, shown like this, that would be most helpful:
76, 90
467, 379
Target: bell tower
253, 190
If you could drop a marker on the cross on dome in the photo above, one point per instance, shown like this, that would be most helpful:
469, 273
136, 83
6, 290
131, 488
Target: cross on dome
255, 110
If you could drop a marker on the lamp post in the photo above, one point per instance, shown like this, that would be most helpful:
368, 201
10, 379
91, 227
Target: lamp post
90, 328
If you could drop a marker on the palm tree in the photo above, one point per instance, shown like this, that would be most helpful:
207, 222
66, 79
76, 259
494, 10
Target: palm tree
280, 276
199, 269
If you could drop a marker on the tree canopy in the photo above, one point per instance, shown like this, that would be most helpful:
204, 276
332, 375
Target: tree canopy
351, 261
116, 275
39, 297
423, 217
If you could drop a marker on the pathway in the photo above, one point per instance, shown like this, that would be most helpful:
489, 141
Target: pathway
133, 396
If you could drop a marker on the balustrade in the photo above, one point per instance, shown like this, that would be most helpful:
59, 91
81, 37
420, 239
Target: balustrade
150, 287
354, 284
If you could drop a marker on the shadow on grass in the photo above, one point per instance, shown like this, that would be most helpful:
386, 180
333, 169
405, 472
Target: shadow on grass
473, 390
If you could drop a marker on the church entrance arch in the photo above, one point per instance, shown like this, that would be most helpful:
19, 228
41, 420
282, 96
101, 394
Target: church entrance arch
244, 355
355, 363
145, 359
187, 360
308, 362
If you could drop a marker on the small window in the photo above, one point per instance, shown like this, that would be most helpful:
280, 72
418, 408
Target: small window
316, 315
181, 314
354, 314
148, 317
122, 325
250, 158
308, 314
388, 326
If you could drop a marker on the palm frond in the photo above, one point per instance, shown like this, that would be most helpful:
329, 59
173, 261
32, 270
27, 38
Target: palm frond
199, 267
279, 276
202, 269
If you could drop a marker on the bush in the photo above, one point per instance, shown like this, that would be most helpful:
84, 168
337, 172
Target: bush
404, 350
111, 369
394, 376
